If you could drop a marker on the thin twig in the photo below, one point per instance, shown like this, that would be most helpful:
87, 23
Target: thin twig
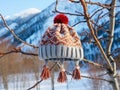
35, 84
98, 19
98, 4
100, 26
89, 36
117, 14
56, 6
16, 50
78, 23
89, 77
93, 63
97, 78
41, 79
103, 74
74, 1
79, 13
115, 51
93, 3
85, 33
96, 12
13, 33
92, 41
104, 15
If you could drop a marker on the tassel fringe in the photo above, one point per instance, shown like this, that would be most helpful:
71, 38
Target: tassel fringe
45, 73
76, 73
62, 75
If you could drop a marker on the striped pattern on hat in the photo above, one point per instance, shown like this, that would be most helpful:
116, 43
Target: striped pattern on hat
56, 52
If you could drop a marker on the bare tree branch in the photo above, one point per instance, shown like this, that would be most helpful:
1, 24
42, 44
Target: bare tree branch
98, 17
93, 3
65, 12
96, 12
104, 15
100, 27
93, 63
41, 79
35, 84
96, 78
16, 50
117, 14
98, 4
110, 42
115, 51
74, 1
78, 23
111, 28
85, 33
103, 74
13, 33
93, 34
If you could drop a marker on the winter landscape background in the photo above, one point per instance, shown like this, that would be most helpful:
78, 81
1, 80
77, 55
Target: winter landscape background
19, 72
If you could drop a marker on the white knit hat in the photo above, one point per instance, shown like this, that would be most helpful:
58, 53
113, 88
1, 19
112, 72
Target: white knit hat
61, 42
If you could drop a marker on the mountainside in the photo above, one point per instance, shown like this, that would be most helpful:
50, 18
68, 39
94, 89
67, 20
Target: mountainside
31, 27
17, 20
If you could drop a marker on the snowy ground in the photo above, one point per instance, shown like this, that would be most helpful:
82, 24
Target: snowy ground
25, 81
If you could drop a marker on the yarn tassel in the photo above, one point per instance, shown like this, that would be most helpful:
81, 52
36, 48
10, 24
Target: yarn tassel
45, 72
62, 75
76, 72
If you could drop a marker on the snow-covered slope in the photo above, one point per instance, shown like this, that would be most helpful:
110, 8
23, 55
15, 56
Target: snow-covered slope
30, 27
16, 20
27, 13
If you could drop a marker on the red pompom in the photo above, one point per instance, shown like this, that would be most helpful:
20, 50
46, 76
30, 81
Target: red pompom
61, 18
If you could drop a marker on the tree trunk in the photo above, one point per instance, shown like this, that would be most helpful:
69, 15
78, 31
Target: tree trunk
110, 42
107, 56
5, 82
52, 79
114, 83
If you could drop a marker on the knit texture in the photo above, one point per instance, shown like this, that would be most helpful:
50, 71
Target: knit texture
61, 34
60, 41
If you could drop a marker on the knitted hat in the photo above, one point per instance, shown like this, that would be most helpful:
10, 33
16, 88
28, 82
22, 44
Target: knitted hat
60, 42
